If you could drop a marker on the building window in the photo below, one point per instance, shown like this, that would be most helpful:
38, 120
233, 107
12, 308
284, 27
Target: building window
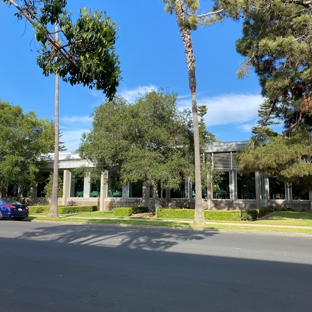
246, 187
179, 192
76, 185
135, 189
95, 188
42, 182
221, 188
298, 193
277, 188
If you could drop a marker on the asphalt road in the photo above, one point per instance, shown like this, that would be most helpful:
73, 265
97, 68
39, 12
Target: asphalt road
61, 267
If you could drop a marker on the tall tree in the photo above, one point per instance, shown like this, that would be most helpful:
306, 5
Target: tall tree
84, 53
188, 20
53, 213
148, 140
277, 43
24, 139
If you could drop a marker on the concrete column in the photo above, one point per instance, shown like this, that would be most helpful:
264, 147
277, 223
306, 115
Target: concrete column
86, 186
310, 199
103, 189
66, 186
258, 189
233, 185
125, 191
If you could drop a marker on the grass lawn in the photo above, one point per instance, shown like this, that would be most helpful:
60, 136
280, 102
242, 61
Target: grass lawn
286, 218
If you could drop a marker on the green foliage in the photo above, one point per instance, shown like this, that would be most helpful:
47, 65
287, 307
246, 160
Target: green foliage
149, 140
122, 212
63, 209
233, 215
49, 185
254, 214
23, 140
85, 51
139, 210
276, 42
249, 215
39, 209
77, 209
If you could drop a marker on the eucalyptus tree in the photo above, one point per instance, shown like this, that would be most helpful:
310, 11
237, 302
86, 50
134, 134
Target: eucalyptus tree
80, 52
188, 19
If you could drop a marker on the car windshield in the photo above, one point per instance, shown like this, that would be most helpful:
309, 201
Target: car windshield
11, 201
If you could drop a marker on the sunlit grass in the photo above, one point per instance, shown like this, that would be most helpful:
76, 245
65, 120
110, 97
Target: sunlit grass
290, 218
286, 218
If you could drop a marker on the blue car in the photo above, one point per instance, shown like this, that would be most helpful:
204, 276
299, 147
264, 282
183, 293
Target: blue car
12, 209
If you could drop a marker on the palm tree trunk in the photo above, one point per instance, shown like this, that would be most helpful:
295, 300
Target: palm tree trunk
53, 213
185, 32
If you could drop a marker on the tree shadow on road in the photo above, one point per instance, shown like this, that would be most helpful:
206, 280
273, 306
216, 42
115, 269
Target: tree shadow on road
133, 237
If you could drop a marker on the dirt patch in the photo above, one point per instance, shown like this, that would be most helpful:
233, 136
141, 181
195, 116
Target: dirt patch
145, 214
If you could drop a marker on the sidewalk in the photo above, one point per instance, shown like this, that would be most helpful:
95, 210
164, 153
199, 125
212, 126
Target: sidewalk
151, 220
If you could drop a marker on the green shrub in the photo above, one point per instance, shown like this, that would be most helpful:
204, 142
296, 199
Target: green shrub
39, 209
76, 209
231, 215
168, 213
122, 212
249, 215
139, 210
62, 209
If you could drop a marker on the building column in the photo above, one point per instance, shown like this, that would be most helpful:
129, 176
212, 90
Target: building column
310, 199
233, 185
125, 190
258, 189
66, 186
86, 186
103, 189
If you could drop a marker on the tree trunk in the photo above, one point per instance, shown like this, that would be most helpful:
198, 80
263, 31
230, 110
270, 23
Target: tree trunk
185, 32
53, 213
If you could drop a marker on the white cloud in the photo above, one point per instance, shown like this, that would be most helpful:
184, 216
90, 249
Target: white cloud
72, 128
228, 108
246, 128
76, 120
132, 95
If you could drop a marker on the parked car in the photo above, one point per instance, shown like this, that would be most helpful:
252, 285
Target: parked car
12, 209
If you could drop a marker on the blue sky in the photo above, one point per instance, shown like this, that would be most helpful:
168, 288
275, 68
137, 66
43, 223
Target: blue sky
151, 55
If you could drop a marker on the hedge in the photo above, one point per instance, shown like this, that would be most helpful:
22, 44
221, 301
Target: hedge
232, 215
62, 209
254, 214
122, 212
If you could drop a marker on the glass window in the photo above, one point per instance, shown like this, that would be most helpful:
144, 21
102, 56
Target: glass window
246, 187
277, 188
298, 192
221, 188
179, 192
42, 182
114, 184
95, 188
135, 189
204, 192
76, 185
